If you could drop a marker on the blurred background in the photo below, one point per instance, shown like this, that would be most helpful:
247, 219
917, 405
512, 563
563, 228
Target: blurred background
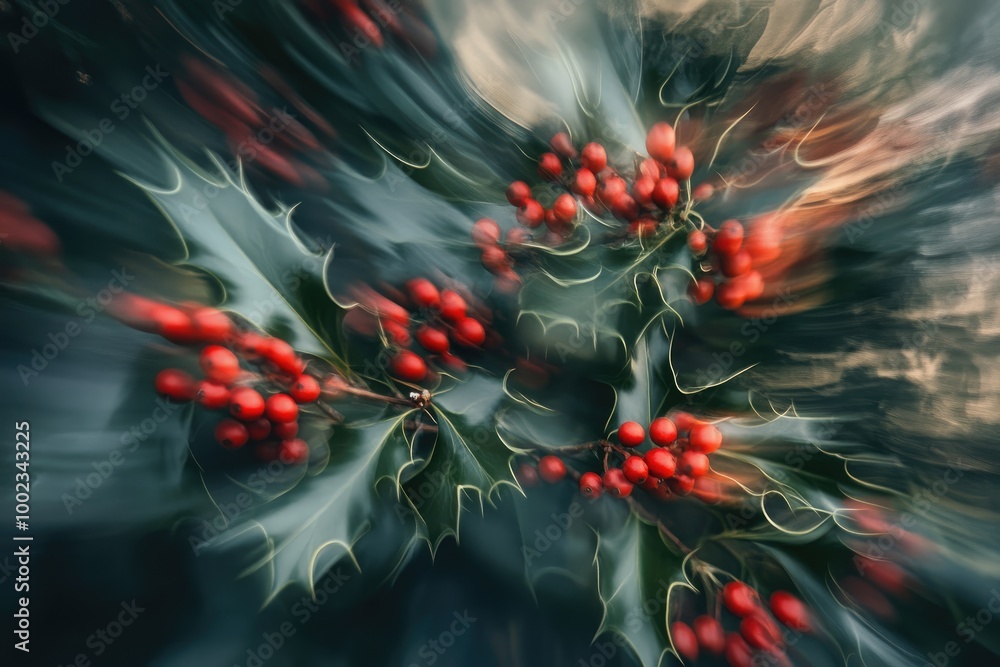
866, 131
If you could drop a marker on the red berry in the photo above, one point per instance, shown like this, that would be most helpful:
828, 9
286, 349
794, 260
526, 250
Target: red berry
643, 227
665, 192
660, 142
736, 264
682, 485
591, 485
738, 652
246, 404
485, 231
693, 464
305, 389
219, 364
432, 340
703, 192
293, 451
710, 633
635, 469
730, 295
662, 432
252, 344
211, 325
685, 421
281, 408
453, 306
423, 292
231, 434
684, 640
616, 484
518, 193
594, 157
610, 190
642, 191
631, 434
495, 259
399, 334
729, 238
625, 207
650, 168
531, 214
551, 222
681, 165
585, 183
697, 242
551, 468
259, 429
740, 598
212, 395
661, 463
282, 355
563, 145
518, 235
527, 475
705, 438
176, 384
286, 430
550, 166
565, 208
763, 240
752, 284
791, 611
172, 324
470, 332
408, 367
760, 631
701, 290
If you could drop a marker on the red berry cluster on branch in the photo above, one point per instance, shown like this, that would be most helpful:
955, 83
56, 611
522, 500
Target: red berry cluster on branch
271, 422
641, 194
758, 638
677, 458
435, 319
671, 465
273, 141
731, 262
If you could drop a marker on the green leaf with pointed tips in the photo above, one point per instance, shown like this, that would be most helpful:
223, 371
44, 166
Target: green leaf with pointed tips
635, 570
308, 520
270, 277
468, 462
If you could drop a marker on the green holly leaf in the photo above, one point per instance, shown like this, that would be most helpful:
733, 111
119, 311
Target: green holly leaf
468, 463
269, 275
301, 519
636, 571
643, 396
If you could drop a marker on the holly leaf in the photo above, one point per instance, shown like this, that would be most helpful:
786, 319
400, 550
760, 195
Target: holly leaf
269, 275
296, 536
643, 397
468, 461
636, 570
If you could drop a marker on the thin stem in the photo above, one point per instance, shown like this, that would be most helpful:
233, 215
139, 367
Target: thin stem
649, 516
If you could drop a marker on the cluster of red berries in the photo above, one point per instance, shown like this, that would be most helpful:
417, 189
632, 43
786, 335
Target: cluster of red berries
730, 272
23, 232
495, 255
434, 319
677, 458
271, 422
641, 195
758, 631
275, 142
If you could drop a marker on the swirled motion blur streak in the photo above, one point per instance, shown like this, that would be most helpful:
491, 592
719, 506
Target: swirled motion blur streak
441, 332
